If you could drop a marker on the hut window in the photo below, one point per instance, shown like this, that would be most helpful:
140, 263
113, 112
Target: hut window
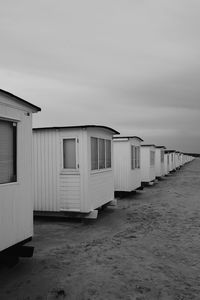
152, 158
132, 157
108, 154
100, 153
8, 149
162, 154
168, 159
137, 157
69, 153
172, 158
94, 153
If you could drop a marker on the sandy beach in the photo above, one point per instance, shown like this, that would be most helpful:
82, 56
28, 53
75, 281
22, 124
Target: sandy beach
146, 248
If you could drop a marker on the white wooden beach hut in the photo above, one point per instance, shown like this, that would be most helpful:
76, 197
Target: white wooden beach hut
160, 161
73, 169
166, 162
172, 166
173, 160
181, 159
177, 160
148, 171
16, 208
127, 172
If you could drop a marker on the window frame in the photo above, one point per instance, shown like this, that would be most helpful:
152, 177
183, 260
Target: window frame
99, 170
135, 157
133, 167
162, 156
138, 157
15, 150
152, 158
70, 170
110, 160
168, 160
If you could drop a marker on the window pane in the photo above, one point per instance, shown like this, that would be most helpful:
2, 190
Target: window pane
101, 153
135, 157
7, 151
108, 154
132, 157
162, 154
138, 157
94, 153
152, 158
69, 154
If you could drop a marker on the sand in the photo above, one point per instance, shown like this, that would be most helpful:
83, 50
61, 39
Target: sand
146, 248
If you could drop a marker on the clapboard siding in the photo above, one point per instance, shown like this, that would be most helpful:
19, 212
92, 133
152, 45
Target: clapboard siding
148, 172
135, 179
166, 164
152, 173
70, 192
46, 170
101, 188
125, 178
121, 154
159, 165
145, 164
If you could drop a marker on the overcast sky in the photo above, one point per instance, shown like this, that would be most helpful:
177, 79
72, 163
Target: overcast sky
133, 65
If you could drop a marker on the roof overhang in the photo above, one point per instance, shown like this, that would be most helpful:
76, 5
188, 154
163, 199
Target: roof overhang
77, 127
127, 138
161, 147
33, 107
170, 151
149, 145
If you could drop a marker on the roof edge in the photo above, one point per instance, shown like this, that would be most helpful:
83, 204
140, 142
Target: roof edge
148, 145
78, 126
36, 108
170, 151
161, 147
129, 137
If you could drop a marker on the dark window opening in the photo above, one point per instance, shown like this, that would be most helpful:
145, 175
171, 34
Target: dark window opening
8, 151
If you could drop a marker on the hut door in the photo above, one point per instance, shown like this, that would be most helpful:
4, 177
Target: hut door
70, 175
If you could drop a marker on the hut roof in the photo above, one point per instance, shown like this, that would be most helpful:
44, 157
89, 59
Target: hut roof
76, 127
20, 100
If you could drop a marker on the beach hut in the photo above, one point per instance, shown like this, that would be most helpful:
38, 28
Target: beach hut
73, 169
127, 172
181, 159
178, 160
172, 166
148, 171
166, 162
159, 161
16, 209
173, 160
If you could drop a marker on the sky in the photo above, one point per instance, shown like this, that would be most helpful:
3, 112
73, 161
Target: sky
133, 65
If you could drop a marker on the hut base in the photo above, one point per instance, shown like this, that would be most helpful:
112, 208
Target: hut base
148, 183
67, 214
112, 203
10, 256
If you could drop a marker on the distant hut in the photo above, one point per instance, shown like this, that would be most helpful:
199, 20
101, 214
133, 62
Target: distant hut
172, 165
148, 171
127, 162
166, 162
160, 161
73, 169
